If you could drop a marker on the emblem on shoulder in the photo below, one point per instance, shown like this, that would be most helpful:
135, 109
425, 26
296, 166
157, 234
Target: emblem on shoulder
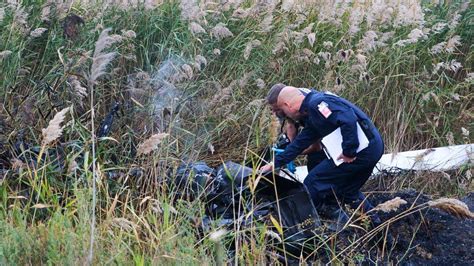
323, 108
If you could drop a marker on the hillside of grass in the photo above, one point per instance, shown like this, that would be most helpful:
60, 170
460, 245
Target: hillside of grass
101, 102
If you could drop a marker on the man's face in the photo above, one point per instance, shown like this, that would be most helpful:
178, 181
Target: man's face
289, 111
283, 110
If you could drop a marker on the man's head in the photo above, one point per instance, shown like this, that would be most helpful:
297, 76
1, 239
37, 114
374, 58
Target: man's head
272, 99
285, 101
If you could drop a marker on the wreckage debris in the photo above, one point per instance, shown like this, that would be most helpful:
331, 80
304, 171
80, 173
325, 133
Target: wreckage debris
230, 197
106, 124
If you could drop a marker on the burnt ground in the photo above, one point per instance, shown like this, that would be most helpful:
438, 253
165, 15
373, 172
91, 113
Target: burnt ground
427, 236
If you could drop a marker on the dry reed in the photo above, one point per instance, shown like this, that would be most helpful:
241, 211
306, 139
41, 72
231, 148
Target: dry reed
54, 129
391, 205
452, 206
151, 144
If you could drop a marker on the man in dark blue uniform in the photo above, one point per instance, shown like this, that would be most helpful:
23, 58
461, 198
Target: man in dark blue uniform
314, 153
322, 113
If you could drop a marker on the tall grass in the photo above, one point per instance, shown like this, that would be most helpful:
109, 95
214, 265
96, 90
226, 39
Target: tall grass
203, 86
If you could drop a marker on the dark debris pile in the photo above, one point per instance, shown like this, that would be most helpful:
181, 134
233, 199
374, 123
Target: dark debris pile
421, 237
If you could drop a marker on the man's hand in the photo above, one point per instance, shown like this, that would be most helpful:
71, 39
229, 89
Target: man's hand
346, 159
266, 168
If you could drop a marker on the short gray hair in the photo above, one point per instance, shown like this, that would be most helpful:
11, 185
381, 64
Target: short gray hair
272, 96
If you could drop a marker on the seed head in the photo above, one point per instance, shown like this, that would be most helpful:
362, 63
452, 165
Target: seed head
391, 205
38, 32
452, 206
54, 129
151, 144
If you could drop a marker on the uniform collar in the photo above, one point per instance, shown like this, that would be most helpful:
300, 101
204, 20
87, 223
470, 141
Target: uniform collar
305, 104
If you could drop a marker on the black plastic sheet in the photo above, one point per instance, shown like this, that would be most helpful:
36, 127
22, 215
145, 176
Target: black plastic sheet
230, 197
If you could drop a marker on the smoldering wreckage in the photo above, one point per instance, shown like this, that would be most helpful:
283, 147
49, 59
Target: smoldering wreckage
237, 195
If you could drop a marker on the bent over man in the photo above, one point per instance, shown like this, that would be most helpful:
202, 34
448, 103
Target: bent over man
322, 113
291, 128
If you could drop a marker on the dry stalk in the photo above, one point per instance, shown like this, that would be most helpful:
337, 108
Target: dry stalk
100, 61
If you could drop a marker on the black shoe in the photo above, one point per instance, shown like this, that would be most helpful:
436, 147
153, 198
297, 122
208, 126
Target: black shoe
340, 217
362, 203
327, 211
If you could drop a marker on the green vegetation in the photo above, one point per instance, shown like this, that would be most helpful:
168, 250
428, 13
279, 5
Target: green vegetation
197, 73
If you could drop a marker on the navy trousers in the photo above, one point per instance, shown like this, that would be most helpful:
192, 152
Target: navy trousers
327, 180
315, 158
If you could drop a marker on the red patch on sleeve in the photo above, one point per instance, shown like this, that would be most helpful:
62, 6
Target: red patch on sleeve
324, 109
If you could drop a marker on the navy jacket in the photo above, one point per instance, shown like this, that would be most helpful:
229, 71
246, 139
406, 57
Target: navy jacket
319, 122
